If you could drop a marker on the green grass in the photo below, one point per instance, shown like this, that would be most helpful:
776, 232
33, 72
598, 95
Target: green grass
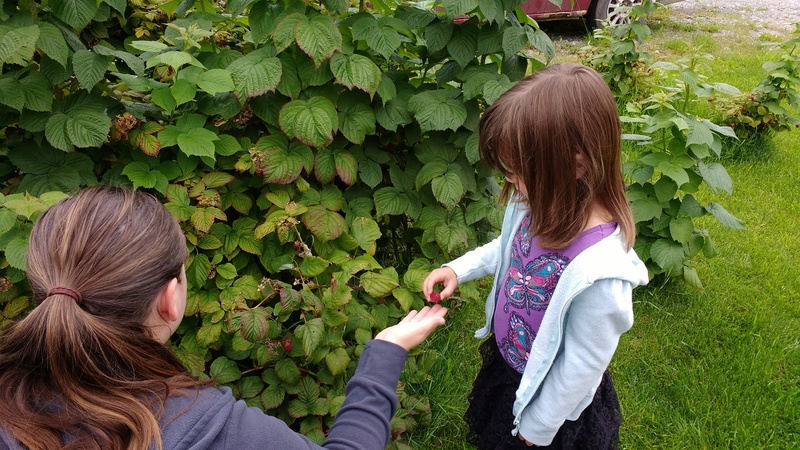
711, 368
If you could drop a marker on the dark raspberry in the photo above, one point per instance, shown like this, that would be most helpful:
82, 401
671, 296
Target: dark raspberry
287, 344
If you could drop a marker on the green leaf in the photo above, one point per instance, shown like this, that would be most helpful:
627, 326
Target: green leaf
448, 189
262, 19
84, 129
9, 93
438, 110
312, 332
378, 34
646, 209
700, 134
405, 297
198, 270
140, 175
149, 46
52, 43
284, 34
463, 45
255, 74
681, 229
324, 166
390, 200
17, 45
215, 81
450, 238
675, 172
324, 224
413, 16
337, 361
493, 89
725, 217
16, 253
163, 98
318, 37
379, 284
668, 255
492, 10
716, 176
273, 396
356, 121
514, 39
312, 121
460, 7
312, 266
366, 232
76, 13
182, 92
89, 67
437, 34
223, 370
227, 271
356, 71
119, 5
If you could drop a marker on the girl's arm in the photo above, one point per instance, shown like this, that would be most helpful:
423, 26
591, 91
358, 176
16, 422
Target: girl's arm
596, 319
474, 264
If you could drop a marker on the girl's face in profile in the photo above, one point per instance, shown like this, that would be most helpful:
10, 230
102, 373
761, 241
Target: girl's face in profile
519, 185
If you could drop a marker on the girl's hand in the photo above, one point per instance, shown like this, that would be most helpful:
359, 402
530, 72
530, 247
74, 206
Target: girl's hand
414, 327
444, 275
529, 444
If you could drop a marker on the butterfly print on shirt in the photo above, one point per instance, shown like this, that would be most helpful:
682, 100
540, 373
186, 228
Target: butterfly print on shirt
517, 344
530, 287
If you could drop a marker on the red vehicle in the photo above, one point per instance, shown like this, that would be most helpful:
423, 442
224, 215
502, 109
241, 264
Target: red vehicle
594, 11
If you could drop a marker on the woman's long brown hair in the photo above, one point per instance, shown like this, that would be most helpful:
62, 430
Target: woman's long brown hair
535, 131
91, 375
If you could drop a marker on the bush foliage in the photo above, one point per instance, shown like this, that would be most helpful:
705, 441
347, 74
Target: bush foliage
321, 159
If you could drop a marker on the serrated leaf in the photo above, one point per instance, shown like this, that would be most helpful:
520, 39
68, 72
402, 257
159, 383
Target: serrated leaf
716, 176
9, 93
356, 122
163, 98
405, 297
312, 121
356, 71
437, 34
312, 266
438, 110
378, 284
16, 253
273, 396
674, 171
724, 216
182, 92
448, 189
312, 332
378, 34
52, 43
89, 67
318, 37
681, 229
324, 166
460, 7
75, 13
366, 233
223, 370
668, 255
140, 175
215, 81
463, 45
337, 361
390, 200
326, 225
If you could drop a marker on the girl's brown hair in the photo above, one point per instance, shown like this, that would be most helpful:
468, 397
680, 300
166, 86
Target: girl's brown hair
89, 374
536, 130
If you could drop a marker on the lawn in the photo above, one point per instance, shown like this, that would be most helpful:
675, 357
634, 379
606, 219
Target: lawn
711, 368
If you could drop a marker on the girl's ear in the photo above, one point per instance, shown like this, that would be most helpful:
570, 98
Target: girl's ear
168, 305
580, 166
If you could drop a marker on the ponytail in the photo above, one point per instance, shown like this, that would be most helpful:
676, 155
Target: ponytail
82, 370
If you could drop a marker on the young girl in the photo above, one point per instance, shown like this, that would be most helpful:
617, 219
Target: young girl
88, 369
563, 267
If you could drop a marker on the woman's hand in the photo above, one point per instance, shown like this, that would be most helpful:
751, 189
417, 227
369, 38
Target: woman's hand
444, 275
414, 327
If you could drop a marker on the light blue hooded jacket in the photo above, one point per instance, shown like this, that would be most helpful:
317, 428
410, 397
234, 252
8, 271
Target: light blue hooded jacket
590, 308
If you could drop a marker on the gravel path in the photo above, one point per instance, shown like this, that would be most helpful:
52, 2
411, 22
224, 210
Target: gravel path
758, 16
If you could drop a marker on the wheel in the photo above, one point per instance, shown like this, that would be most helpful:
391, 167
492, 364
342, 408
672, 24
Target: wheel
611, 12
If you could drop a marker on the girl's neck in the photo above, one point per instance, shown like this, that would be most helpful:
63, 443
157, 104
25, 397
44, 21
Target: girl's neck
598, 216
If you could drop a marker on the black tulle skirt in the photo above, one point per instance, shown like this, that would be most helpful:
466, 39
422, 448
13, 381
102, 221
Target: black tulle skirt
490, 417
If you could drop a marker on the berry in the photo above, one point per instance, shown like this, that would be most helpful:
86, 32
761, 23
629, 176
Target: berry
287, 344
435, 297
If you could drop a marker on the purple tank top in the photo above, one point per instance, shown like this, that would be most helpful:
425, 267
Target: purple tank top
525, 291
